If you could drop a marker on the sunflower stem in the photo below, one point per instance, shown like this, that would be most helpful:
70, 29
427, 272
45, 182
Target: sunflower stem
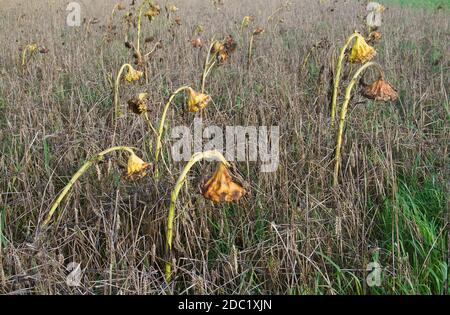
77, 175
116, 90
196, 157
250, 48
209, 63
24, 54
337, 77
343, 114
161, 125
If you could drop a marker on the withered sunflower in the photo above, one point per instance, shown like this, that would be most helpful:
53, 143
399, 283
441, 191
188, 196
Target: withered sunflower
361, 51
220, 187
380, 90
136, 167
197, 100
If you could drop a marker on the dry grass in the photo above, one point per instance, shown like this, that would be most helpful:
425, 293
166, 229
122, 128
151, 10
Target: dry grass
292, 233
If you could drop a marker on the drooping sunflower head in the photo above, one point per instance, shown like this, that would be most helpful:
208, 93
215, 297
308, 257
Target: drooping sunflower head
138, 104
220, 187
43, 50
177, 20
153, 11
172, 8
133, 74
375, 36
217, 47
257, 31
230, 44
246, 20
197, 42
361, 51
197, 100
380, 90
136, 167
223, 49
32, 48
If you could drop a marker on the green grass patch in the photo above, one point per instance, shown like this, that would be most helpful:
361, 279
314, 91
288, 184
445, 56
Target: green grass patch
418, 239
419, 3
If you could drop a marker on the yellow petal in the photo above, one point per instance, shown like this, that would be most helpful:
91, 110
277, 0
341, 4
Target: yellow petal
361, 51
136, 166
197, 101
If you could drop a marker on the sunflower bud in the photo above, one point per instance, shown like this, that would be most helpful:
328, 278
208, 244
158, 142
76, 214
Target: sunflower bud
380, 90
221, 187
361, 51
197, 101
136, 167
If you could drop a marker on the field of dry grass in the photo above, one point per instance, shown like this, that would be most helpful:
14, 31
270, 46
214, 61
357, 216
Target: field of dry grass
292, 232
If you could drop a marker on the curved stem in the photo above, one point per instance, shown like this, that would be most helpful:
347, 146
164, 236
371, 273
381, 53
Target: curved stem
337, 77
174, 195
80, 172
161, 124
116, 90
343, 114
139, 25
114, 11
208, 65
24, 54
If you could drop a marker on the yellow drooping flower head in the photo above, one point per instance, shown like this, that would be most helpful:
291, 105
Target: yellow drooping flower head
172, 8
153, 11
361, 51
133, 75
136, 167
196, 100
246, 21
32, 48
138, 105
220, 187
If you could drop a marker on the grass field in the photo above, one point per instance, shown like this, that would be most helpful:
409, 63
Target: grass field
293, 232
